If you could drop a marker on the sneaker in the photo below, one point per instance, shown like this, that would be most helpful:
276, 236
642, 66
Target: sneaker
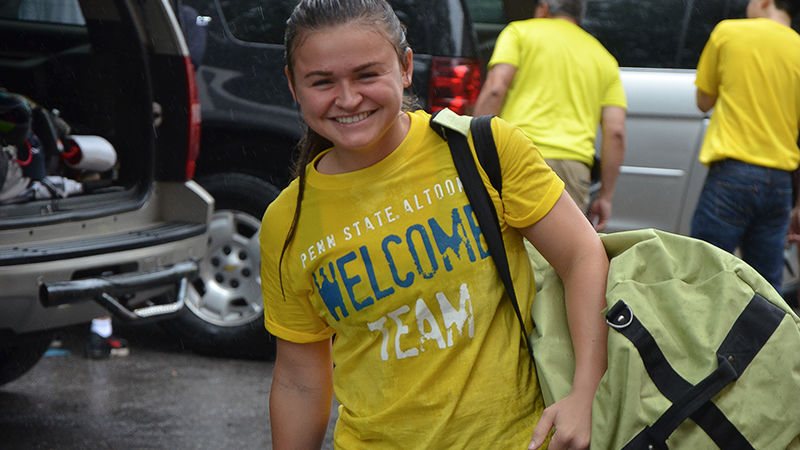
99, 347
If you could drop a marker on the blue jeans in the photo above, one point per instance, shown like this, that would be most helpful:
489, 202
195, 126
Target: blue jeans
746, 206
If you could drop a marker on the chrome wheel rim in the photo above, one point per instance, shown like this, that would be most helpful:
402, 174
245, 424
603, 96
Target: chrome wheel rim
228, 290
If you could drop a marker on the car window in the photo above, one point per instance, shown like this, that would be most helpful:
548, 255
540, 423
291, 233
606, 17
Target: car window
261, 21
639, 33
66, 12
645, 35
657, 33
486, 11
264, 22
706, 15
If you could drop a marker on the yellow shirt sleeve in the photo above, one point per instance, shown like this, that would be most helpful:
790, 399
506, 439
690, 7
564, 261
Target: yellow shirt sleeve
288, 313
530, 187
707, 78
506, 48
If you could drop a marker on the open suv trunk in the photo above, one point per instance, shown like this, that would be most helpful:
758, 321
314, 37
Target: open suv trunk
131, 240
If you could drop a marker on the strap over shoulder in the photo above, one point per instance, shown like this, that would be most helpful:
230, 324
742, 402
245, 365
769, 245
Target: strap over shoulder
450, 120
477, 194
482, 138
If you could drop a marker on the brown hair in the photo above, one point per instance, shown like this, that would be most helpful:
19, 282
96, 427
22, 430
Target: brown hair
791, 7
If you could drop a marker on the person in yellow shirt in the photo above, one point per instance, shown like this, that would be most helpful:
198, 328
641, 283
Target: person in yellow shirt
558, 83
749, 72
376, 278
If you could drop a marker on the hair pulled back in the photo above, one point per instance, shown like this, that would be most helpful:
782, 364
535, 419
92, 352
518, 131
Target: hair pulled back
310, 16
572, 8
314, 15
791, 7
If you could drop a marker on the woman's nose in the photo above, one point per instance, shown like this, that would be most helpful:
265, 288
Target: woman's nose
347, 96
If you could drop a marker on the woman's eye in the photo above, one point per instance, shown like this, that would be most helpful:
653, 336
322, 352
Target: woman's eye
320, 82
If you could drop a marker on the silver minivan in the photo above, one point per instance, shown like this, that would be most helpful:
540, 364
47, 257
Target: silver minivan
657, 44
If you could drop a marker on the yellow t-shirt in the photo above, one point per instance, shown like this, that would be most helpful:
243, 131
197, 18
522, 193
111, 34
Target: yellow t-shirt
390, 259
753, 67
564, 79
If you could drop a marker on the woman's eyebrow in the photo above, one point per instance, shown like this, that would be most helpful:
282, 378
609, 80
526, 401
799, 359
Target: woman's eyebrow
327, 73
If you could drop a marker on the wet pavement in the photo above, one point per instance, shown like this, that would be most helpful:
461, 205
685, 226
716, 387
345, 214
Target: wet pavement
160, 396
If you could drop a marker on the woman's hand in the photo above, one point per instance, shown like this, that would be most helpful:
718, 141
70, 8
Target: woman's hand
571, 420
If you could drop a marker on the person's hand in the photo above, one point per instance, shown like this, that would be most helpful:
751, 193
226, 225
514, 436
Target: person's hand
599, 213
794, 226
571, 419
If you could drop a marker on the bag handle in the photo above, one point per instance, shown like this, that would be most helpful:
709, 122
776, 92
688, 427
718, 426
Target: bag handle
479, 198
748, 334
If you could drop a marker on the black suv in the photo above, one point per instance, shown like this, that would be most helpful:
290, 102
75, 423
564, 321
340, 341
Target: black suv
79, 78
251, 125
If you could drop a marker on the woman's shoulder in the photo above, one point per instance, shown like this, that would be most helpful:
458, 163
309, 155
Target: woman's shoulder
505, 132
279, 213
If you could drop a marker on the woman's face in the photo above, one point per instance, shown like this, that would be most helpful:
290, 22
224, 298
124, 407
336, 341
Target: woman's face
349, 84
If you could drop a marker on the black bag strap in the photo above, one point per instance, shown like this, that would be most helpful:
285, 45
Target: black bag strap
485, 148
479, 198
749, 333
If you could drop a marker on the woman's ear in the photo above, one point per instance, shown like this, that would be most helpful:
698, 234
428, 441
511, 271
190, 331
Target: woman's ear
289, 80
408, 67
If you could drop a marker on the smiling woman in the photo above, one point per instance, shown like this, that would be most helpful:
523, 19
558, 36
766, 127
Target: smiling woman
375, 242
349, 81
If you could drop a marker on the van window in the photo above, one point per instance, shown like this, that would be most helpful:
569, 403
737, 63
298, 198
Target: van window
65, 12
639, 33
705, 16
490, 11
657, 33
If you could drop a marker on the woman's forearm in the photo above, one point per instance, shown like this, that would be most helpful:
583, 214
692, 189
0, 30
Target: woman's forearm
301, 395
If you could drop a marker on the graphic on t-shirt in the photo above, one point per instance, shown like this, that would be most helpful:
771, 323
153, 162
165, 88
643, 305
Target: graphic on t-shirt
425, 243
427, 325
419, 237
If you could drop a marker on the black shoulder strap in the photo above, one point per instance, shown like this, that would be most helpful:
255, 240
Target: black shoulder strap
485, 148
479, 198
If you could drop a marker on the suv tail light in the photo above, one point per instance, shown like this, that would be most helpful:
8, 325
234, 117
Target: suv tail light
455, 84
193, 139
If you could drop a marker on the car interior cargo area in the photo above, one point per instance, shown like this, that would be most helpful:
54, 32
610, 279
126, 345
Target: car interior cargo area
75, 119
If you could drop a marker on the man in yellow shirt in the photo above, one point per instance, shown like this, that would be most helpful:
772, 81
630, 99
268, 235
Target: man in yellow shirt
749, 72
558, 83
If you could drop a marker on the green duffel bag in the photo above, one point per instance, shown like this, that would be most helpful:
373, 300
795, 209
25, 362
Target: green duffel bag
702, 351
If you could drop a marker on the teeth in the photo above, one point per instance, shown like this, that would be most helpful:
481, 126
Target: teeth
352, 119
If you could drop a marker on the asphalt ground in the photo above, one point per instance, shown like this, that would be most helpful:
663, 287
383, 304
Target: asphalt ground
161, 396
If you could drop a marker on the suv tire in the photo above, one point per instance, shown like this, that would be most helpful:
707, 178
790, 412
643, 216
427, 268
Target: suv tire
224, 314
20, 356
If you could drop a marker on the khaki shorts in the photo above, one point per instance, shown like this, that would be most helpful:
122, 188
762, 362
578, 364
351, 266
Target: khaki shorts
576, 176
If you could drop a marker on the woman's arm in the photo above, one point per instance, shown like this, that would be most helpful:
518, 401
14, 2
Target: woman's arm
569, 243
301, 394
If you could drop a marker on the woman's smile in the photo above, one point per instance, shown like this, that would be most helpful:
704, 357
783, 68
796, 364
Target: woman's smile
347, 120
349, 82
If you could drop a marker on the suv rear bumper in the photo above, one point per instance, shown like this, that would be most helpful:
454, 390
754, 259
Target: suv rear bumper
107, 291
62, 278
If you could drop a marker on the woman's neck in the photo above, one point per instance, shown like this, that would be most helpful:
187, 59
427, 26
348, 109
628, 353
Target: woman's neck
342, 160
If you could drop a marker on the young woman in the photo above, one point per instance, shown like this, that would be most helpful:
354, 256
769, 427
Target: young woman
375, 246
